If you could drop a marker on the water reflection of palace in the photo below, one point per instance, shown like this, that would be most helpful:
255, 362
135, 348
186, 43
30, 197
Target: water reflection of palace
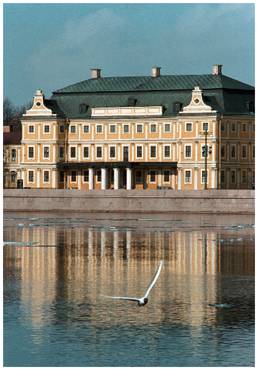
78, 264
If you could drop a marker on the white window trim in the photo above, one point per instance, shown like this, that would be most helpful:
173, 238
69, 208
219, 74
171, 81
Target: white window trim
129, 128
60, 146
70, 127
153, 132
30, 133
49, 132
136, 156
170, 127
191, 176
102, 131
153, 182
31, 146
70, 175
109, 128
163, 177
85, 182
46, 182
187, 123
28, 180
86, 146
185, 145
151, 145
86, 133
112, 146
164, 156
208, 126
230, 147
46, 146
207, 177
99, 146
139, 124
76, 152
242, 145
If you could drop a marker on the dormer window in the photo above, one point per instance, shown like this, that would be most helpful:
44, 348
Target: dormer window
250, 106
83, 108
177, 107
132, 102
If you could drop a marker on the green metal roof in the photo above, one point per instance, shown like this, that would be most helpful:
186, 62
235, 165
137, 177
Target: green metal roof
148, 83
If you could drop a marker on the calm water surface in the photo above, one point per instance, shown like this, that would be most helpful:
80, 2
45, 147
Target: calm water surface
200, 313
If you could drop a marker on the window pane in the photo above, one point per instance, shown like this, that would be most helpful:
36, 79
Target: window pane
46, 152
61, 128
167, 127
187, 176
112, 152
153, 128
139, 128
86, 129
126, 128
46, 176
31, 152
13, 154
188, 151
31, 176
31, 128
86, 176
153, 152
167, 151
73, 152
139, 151
99, 128
86, 152
72, 129
205, 126
46, 128
112, 128
61, 152
189, 127
99, 152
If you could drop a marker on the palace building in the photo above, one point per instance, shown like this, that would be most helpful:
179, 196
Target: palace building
182, 132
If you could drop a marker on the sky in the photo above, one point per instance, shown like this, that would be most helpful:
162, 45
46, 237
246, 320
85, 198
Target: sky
50, 46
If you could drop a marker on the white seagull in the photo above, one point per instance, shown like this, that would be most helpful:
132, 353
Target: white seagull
143, 300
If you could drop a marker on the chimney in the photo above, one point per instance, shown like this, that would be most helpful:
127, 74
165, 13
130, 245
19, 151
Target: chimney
155, 71
95, 73
217, 69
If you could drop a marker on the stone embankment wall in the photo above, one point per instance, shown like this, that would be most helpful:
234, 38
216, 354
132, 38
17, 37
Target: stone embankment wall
151, 201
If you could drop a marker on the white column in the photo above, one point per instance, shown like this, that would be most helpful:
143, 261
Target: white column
103, 178
179, 179
128, 243
38, 178
195, 179
91, 185
115, 243
102, 242
128, 178
116, 178
90, 241
54, 179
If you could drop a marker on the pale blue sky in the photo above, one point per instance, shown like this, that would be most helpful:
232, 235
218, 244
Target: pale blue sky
49, 46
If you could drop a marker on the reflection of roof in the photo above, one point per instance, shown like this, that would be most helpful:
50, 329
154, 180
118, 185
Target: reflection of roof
222, 93
12, 138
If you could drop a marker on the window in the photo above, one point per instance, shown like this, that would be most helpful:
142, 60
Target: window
86, 152
205, 126
61, 152
167, 151
189, 126
13, 176
31, 152
222, 126
13, 155
152, 176
222, 151
73, 176
126, 129
31, 129
244, 127
46, 176
112, 129
61, 176
153, 127
204, 176
138, 177
166, 176
112, 152
99, 129
31, 176
233, 177
46, 128
188, 176
244, 177
86, 176
83, 108
153, 151
139, 128
233, 151
139, 151
233, 127
222, 177
99, 152
167, 127
98, 175
73, 129
46, 152
244, 151
188, 151
61, 128
73, 152
86, 129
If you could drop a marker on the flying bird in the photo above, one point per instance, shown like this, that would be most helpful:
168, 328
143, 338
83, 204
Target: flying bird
143, 300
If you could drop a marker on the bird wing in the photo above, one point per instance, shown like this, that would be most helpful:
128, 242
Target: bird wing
123, 298
154, 280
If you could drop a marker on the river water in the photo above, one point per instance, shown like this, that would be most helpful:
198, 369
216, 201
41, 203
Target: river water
57, 267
